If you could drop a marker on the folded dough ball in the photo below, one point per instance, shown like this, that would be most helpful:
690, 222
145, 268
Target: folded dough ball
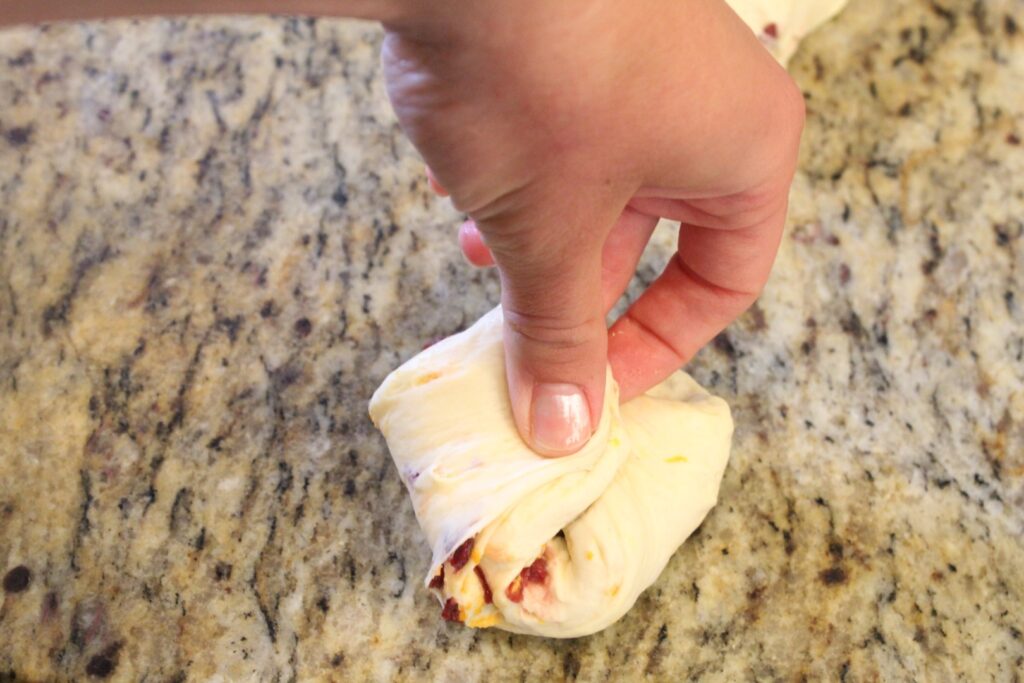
557, 547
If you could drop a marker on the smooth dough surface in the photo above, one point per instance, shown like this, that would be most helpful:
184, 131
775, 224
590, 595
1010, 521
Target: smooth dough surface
602, 522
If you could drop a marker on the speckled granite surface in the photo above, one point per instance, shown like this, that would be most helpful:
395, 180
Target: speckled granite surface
214, 243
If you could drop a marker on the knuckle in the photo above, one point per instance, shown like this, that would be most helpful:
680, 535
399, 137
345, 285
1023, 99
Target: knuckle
747, 209
790, 111
792, 99
554, 332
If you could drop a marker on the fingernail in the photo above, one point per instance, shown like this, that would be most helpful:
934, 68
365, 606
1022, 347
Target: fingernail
561, 418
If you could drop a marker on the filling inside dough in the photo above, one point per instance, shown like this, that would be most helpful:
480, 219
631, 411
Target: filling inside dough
559, 547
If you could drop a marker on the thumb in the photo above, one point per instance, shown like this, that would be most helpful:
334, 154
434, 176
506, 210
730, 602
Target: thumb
556, 340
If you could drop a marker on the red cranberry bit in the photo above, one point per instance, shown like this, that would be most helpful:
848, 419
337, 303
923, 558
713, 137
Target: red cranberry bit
771, 30
460, 557
437, 583
514, 592
488, 598
450, 611
536, 572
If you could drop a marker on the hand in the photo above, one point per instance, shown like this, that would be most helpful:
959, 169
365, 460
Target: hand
565, 130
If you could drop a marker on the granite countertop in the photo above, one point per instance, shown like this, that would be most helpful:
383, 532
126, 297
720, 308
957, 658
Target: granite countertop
214, 243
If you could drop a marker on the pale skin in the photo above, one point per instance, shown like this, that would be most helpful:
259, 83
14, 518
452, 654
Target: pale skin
565, 130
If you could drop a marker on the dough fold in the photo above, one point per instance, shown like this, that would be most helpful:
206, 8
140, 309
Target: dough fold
559, 547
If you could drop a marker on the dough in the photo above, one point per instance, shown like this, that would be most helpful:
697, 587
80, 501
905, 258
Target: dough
558, 547
782, 24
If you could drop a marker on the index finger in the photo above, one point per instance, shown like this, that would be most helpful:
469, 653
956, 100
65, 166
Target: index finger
715, 275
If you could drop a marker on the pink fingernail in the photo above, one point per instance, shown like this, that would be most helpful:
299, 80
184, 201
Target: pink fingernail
561, 418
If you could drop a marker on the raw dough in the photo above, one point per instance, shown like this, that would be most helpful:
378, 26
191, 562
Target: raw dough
564, 545
782, 24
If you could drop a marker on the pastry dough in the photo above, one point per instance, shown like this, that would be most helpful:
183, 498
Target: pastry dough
782, 24
557, 547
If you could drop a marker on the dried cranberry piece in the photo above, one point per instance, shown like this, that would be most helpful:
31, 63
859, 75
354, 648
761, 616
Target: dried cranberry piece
461, 555
450, 612
437, 583
488, 597
536, 572
771, 30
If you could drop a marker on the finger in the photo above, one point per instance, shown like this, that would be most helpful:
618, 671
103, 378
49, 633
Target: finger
473, 248
555, 333
622, 251
715, 275
436, 186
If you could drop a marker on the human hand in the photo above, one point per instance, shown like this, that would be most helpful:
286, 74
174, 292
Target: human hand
565, 130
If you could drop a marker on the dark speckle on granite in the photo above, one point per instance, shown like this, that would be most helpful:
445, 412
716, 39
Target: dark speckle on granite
215, 243
99, 667
833, 576
49, 609
303, 327
103, 664
17, 579
18, 136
